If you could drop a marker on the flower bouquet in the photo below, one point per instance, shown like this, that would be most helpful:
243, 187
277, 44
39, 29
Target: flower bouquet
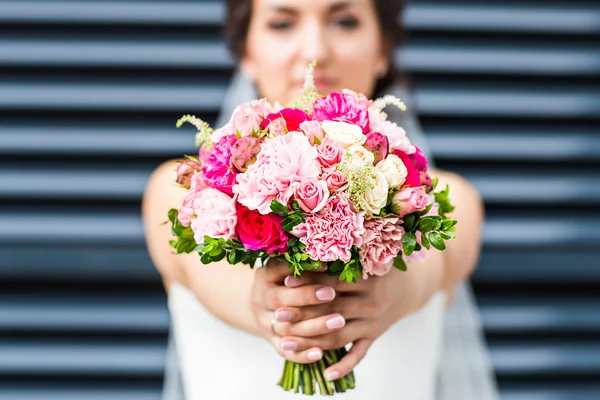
328, 180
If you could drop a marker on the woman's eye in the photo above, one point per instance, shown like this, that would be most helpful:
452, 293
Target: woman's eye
347, 22
280, 25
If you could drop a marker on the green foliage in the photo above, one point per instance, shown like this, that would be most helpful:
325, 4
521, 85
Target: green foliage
291, 218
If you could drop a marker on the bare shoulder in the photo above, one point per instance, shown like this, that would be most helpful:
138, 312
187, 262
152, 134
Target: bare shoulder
162, 194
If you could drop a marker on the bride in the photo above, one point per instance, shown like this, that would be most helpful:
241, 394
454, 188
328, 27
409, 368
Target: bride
233, 326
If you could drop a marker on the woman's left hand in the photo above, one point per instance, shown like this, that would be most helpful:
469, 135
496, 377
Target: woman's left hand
366, 309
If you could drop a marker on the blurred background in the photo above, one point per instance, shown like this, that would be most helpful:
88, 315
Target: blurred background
509, 96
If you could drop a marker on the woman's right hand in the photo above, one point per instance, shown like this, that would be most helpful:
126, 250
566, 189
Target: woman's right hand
269, 293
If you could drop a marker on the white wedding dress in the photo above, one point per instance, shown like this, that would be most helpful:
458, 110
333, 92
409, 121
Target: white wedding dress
433, 354
219, 362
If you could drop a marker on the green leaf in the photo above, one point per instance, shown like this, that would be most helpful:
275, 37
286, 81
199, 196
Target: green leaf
447, 235
399, 263
173, 243
216, 252
219, 257
295, 205
425, 242
288, 224
231, 257
336, 266
409, 222
279, 208
437, 241
409, 241
293, 241
188, 233
173, 213
434, 183
448, 223
205, 259
428, 224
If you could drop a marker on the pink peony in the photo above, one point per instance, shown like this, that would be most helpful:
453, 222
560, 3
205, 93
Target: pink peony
413, 178
215, 215
244, 152
185, 171
313, 131
344, 107
312, 194
217, 168
329, 153
261, 232
282, 161
419, 160
409, 200
336, 181
292, 117
186, 211
378, 145
382, 242
248, 117
330, 234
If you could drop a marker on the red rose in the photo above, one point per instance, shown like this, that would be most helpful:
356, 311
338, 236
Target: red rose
261, 232
293, 118
413, 179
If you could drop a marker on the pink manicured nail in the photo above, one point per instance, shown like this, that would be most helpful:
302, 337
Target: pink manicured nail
292, 281
289, 345
335, 322
314, 355
332, 376
283, 316
325, 293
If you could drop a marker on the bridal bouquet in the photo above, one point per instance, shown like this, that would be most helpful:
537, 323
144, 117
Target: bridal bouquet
328, 180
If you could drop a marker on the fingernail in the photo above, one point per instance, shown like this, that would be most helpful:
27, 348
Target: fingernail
289, 345
283, 316
332, 376
325, 293
335, 322
292, 281
314, 355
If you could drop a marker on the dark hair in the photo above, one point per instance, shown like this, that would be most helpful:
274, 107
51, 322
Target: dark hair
389, 14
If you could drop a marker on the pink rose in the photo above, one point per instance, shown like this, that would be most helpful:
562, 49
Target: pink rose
312, 194
244, 152
329, 153
261, 232
293, 117
382, 242
282, 161
215, 215
313, 131
186, 211
330, 234
413, 178
247, 118
276, 127
336, 181
378, 145
343, 107
217, 168
409, 200
185, 170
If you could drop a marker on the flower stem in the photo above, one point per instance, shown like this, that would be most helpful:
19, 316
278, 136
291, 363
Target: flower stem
296, 378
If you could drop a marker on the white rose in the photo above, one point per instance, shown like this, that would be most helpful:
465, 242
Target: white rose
361, 155
376, 197
344, 133
394, 170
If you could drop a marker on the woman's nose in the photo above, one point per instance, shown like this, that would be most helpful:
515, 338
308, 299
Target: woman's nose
314, 44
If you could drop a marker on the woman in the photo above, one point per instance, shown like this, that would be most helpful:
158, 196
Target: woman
233, 325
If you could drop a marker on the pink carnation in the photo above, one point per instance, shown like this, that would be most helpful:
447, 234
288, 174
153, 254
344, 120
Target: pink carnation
217, 168
330, 234
282, 161
344, 107
248, 117
215, 215
382, 242
186, 211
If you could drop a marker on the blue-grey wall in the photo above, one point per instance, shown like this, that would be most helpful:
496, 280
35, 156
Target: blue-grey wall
509, 96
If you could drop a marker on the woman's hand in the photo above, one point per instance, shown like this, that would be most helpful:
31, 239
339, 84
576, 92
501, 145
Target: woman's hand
363, 310
275, 305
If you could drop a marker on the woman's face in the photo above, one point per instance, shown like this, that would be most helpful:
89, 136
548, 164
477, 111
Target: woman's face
286, 35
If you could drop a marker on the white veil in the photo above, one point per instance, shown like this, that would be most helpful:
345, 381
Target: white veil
465, 370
